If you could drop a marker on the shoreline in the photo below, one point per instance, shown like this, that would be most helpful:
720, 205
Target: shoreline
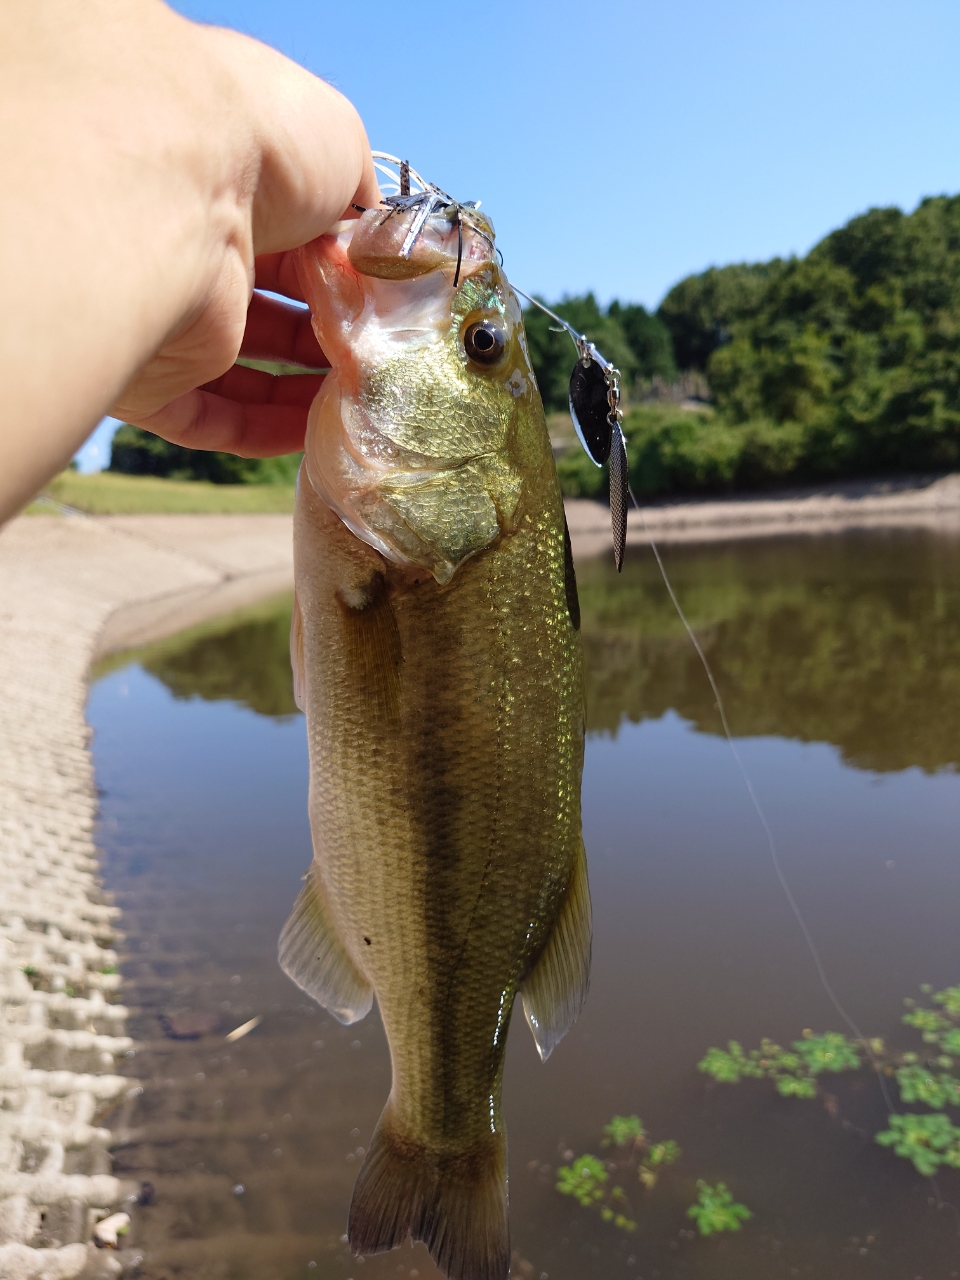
920, 502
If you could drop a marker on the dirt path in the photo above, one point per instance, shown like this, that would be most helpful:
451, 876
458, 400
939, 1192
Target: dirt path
910, 502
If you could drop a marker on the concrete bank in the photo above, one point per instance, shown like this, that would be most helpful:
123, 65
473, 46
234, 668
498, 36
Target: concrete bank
71, 588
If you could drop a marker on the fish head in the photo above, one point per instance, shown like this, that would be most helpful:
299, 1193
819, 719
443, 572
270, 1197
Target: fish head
424, 435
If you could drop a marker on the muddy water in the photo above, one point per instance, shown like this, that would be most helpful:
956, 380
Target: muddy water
839, 659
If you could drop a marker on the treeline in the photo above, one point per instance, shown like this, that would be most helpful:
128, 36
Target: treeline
843, 363
140, 453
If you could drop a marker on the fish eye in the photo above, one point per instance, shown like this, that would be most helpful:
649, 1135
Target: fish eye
484, 342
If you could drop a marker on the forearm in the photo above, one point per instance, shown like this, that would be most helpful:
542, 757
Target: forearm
139, 181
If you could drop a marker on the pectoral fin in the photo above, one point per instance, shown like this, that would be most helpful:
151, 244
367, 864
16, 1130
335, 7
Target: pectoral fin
312, 954
554, 991
296, 655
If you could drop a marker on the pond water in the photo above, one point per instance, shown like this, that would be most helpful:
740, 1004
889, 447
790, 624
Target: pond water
839, 661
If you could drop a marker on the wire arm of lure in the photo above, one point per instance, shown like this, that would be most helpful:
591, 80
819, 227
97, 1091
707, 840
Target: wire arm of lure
428, 200
585, 348
381, 159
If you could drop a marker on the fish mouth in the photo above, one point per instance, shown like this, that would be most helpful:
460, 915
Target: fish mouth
403, 241
414, 229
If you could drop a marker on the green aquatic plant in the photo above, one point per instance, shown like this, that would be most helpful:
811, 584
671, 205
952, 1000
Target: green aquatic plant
587, 1179
829, 1052
918, 1084
622, 1131
716, 1210
941, 1026
929, 1141
793, 1072
663, 1153
731, 1065
949, 999
929, 1022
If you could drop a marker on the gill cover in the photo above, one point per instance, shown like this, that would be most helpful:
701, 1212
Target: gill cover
410, 439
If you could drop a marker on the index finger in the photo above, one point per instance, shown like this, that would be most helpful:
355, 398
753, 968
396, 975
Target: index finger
276, 272
277, 331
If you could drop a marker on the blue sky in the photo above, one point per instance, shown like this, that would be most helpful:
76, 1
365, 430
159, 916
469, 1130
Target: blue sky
95, 454
621, 145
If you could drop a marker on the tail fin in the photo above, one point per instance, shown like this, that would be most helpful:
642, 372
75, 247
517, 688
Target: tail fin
454, 1201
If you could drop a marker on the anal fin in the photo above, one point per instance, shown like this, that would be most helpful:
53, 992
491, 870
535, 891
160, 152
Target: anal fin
312, 954
555, 989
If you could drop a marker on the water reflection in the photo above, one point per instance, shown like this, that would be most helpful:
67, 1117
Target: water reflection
242, 658
851, 640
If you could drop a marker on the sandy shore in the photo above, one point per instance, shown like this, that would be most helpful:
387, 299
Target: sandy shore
74, 588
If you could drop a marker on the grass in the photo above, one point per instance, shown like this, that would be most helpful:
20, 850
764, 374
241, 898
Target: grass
110, 493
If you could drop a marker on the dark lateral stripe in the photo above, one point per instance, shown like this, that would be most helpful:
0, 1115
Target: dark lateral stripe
372, 646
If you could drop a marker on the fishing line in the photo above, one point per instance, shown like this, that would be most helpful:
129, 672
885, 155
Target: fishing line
761, 815
774, 853
597, 447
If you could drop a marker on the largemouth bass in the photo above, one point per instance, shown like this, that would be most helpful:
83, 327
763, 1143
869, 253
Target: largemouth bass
436, 654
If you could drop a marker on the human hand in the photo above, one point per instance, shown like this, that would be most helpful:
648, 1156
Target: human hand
318, 164
155, 170
248, 411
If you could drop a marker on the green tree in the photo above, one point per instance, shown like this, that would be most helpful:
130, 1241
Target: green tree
648, 338
626, 334
857, 345
700, 311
